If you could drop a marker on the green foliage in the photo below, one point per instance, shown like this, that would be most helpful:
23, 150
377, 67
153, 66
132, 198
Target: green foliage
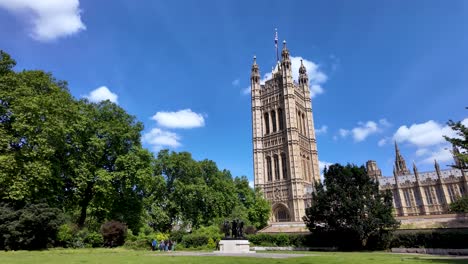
461, 142
87, 159
350, 205
34, 226
195, 241
70, 236
460, 205
113, 233
432, 238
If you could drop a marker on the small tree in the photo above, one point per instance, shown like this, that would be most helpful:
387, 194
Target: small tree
349, 205
461, 142
113, 233
460, 205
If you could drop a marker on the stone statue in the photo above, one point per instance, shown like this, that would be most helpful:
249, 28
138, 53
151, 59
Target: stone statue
226, 229
234, 228
240, 232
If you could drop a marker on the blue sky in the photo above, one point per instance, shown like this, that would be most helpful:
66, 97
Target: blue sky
382, 70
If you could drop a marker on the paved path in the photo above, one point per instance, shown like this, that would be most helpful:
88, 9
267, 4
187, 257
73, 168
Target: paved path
252, 255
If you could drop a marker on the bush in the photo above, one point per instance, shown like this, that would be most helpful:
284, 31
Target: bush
93, 239
113, 233
195, 241
434, 238
32, 227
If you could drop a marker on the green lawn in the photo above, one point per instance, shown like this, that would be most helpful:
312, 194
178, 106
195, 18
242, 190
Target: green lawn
115, 256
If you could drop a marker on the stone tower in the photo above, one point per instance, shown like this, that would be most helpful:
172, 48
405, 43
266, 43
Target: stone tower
284, 146
400, 163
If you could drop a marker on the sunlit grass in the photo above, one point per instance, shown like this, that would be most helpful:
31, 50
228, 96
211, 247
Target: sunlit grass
120, 255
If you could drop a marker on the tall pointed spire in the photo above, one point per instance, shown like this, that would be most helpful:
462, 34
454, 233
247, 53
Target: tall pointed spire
303, 77
255, 73
400, 163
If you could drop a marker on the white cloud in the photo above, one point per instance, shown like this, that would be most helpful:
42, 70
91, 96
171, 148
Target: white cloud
235, 82
425, 134
382, 142
321, 130
422, 152
343, 132
363, 130
101, 94
185, 118
441, 154
316, 76
159, 138
50, 19
322, 165
428, 139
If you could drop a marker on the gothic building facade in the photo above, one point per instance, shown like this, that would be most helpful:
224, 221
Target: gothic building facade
284, 144
422, 193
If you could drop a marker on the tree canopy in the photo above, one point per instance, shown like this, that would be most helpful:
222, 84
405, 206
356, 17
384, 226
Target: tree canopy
460, 142
349, 203
86, 159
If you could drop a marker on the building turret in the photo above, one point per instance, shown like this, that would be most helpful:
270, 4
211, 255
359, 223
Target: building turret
303, 77
373, 170
437, 168
416, 172
286, 64
255, 73
400, 163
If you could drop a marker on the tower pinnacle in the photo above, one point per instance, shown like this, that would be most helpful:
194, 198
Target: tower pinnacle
400, 163
303, 78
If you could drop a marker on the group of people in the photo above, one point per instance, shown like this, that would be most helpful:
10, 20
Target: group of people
164, 245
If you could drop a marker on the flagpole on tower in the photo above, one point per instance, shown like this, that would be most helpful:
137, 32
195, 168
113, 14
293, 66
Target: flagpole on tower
276, 44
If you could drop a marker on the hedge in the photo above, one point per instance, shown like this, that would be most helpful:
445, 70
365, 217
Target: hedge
433, 238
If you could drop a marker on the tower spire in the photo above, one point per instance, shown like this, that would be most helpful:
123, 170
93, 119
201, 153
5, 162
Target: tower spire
276, 44
400, 163
303, 78
255, 73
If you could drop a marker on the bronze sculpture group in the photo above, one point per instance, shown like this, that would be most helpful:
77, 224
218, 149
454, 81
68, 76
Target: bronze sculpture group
235, 229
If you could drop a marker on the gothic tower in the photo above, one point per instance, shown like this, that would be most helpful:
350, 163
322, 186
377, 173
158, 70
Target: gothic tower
400, 163
284, 145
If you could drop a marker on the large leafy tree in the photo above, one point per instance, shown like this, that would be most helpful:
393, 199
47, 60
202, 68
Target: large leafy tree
349, 203
36, 117
461, 142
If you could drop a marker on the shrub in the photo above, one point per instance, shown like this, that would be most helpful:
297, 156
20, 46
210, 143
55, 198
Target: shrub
177, 235
195, 241
93, 239
113, 233
32, 227
434, 238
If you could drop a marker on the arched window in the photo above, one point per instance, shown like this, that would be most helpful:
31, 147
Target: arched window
280, 119
299, 125
267, 124
304, 130
268, 161
304, 171
282, 214
273, 120
276, 162
284, 164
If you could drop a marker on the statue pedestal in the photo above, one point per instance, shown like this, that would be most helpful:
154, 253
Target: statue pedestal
234, 246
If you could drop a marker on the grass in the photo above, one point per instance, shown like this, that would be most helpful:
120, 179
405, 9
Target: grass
119, 255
